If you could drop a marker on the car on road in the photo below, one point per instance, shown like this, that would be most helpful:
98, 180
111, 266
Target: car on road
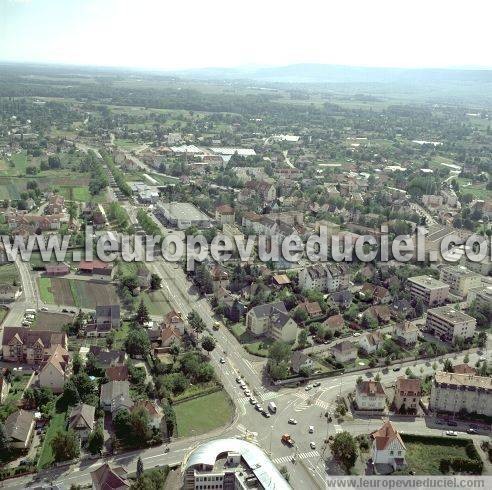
238, 380
222, 360
356, 334
452, 433
252, 401
265, 414
311, 429
315, 385
64, 310
43, 308
312, 444
247, 393
293, 421
397, 368
258, 407
243, 385
308, 387
472, 431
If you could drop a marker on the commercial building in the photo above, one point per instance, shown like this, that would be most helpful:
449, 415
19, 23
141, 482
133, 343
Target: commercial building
460, 279
182, 215
231, 464
449, 324
455, 393
430, 291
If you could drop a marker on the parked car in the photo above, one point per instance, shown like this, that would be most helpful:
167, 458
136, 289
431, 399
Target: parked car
293, 421
308, 387
397, 368
471, 431
312, 444
222, 360
315, 385
451, 433
311, 429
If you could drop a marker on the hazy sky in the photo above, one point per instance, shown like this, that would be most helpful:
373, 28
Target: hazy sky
172, 34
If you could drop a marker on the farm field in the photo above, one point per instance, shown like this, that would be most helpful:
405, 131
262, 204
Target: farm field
78, 293
51, 321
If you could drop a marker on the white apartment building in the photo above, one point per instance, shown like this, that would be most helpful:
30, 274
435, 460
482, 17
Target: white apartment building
448, 324
324, 277
460, 279
454, 393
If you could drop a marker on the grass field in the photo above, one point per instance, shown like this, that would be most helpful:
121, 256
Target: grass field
424, 458
203, 414
46, 457
156, 302
8, 273
52, 321
44, 284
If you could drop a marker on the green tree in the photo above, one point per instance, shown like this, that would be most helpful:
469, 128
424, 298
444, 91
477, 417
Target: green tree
137, 342
65, 445
96, 440
344, 449
208, 343
155, 282
4, 439
142, 315
196, 323
302, 338
448, 366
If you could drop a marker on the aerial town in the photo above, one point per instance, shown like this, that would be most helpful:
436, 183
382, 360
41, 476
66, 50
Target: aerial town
241, 373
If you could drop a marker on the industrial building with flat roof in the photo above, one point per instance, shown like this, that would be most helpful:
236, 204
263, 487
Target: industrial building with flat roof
182, 215
231, 463
431, 291
449, 324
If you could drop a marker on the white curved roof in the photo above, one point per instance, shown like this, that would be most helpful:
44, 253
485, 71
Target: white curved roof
264, 470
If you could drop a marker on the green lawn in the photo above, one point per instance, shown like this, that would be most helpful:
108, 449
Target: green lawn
203, 414
57, 424
120, 335
424, 458
8, 273
156, 302
20, 162
44, 284
257, 347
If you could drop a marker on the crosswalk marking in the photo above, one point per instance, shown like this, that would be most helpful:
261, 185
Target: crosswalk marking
286, 459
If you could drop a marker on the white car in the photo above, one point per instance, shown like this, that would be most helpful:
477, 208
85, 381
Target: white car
243, 386
247, 393
308, 387
311, 429
222, 360
293, 421
357, 334
451, 433
312, 444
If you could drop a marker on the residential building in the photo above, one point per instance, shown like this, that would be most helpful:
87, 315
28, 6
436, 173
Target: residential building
19, 428
118, 372
56, 269
106, 358
182, 215
455, 393
484, 267
81, 420
334, 323
224, 214
23, 345
170, 335
56, 204
407, 394
449, 324
344, 351
154, 411
115, 395
312, 309
464, 369
324, 277
108, 315
371, 342
96, 268
460, 279
107, 478
264, 189
299, 361
430, 291
482, 296
56, 371
370, 395
273, 320
388, 447
4, 388
231, 464
406, 333
174, 319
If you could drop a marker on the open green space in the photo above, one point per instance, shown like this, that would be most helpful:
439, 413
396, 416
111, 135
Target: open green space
44, 284
253, 345
156, 302
46, 457
8, 273
424, 458
120, 336
203, 414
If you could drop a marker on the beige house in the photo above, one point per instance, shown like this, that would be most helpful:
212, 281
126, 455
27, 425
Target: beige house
57, 370
455, 393
406, 333
370, 395
430, 291
224, 214
19, 427
448, 324
272, 320
407, 394
460, 279
344, 351
371, 342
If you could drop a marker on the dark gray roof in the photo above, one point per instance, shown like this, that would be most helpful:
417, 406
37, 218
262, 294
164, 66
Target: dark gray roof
18, 425
82, 416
